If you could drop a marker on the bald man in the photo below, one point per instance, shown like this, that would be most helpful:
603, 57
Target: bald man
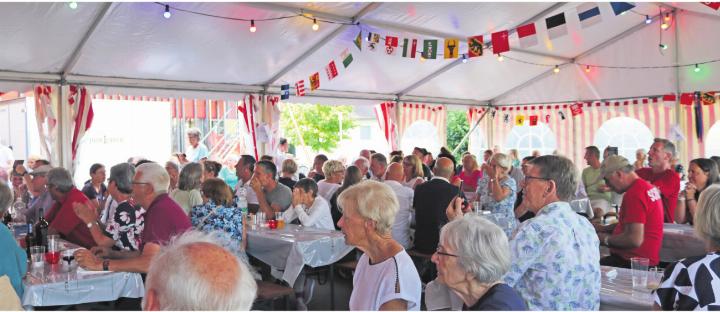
430, 201
196, 273
394, 176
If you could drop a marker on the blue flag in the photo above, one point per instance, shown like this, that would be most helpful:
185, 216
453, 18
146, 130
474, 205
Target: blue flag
621, 7
285, 91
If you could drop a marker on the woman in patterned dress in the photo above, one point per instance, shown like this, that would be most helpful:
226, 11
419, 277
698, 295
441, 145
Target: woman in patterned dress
217, 215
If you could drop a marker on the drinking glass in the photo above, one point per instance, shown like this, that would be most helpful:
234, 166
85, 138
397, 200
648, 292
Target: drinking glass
37, 254
476, 207
655, 278
52, 256
639, 268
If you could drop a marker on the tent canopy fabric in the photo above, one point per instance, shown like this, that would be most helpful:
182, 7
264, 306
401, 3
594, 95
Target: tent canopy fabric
130, 45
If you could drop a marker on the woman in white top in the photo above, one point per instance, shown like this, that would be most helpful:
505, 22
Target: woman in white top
310, 209
412, 167
334, 172
385, 278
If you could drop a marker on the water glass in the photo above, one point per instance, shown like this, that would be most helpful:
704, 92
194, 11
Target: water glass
37, 254
655, 278
278, 215
639, 268
476, 207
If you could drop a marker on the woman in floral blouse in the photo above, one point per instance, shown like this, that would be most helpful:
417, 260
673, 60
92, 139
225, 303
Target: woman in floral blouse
217, 214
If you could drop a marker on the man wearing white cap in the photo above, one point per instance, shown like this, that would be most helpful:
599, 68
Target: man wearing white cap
37, 185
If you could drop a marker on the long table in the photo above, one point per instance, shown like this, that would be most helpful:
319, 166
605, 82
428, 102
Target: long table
295, 246
58, 284
617, 293
679, 242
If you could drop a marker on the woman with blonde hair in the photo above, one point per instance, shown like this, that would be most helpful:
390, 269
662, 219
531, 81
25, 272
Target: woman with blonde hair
515, 158
500, 190
412, 167
334, 172
470, 174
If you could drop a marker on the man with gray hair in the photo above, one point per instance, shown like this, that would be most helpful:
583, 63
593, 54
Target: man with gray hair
364, 165
41, 201
378, 165
163, 220
662, 175
195, 272
640, 230
62, 217
555, 260
430, 202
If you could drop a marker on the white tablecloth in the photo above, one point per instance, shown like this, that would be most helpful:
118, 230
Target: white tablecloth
54, 285
618, 294
582, 205
295, 246
679, 242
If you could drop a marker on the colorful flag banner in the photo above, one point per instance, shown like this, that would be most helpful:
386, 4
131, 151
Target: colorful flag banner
547, 118
285, 91
475, 46
556, 26
358, 41
519, 120
527, 35
409, 47
713, 5
391, 44
687, 98
533, 120
562, 115
576, 109
589, 14
346, 57
621, 7
373, 41
300, 88
430, 49
506, 118
315, 81
452, 45
708, 98
500, 42
331, 70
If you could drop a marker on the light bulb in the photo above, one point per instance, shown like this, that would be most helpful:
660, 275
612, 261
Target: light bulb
667, 17
252, 26
648, 20
422, 57
167, 13
697, 68
315, 25
500, 57
664, 25
72, 5
464, 59
556, 69
663, 46
587, 68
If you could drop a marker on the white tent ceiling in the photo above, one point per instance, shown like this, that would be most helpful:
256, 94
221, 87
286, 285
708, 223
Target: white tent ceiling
98, 43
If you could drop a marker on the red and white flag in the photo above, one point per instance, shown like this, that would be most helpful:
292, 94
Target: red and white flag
576, 109
391, 45
83, 114
385, 114
500, 42
527, 35
300, 88
713, 5
331, 70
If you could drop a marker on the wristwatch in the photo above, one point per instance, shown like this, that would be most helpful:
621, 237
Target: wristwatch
89, 225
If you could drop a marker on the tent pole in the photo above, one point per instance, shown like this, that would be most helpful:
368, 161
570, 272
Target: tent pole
683, 145
467, 135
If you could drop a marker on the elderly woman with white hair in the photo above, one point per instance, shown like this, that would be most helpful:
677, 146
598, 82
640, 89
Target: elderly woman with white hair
691, 283
385, 278
471, 259
334, 172
499, 191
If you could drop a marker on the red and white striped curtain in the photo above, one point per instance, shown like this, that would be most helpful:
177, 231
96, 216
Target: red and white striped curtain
272, 115
248, 109
435, 114
80, 102
385, 114
688, 123
46, 117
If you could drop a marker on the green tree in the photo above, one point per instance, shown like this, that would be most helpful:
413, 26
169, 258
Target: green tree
319, 125
457, 127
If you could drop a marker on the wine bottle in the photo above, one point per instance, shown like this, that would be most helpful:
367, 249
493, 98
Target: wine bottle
29, 239
41, 229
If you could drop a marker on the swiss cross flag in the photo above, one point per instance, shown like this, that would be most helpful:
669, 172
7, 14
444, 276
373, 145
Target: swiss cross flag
533, 120
576, 109
500, 42
687, 98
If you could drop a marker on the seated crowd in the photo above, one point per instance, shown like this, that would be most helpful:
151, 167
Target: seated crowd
532, 251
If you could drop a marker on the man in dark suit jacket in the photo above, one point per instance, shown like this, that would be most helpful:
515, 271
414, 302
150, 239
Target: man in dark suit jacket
430, 202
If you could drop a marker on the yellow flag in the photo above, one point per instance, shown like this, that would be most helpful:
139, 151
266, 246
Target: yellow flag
451, 47
519, 120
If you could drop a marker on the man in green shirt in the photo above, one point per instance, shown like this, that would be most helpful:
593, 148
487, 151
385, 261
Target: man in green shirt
598, 193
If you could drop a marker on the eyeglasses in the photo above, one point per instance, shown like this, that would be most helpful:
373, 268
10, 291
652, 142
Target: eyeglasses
527, 177
442, 253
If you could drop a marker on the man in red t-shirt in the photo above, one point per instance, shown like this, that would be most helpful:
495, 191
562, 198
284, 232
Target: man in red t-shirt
661, 174
639, 231
62, 217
